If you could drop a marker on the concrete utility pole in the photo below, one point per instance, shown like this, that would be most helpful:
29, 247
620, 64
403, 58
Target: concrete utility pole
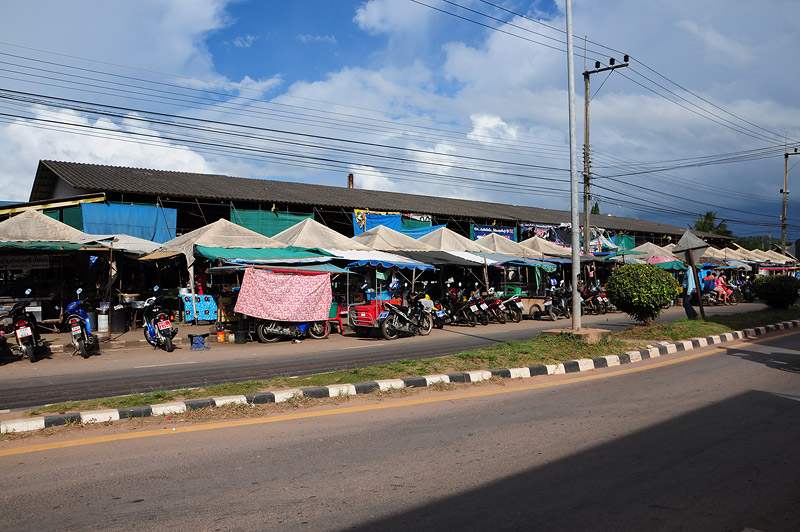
573, 178
587, 229
785, 192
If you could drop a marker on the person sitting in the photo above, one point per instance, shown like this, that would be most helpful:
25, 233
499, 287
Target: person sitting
709, 282
719, 288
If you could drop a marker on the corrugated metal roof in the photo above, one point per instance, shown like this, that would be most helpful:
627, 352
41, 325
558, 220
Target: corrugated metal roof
97, 178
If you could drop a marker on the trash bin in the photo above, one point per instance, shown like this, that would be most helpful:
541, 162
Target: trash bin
102, 322
240, 337
92, 320
117, 319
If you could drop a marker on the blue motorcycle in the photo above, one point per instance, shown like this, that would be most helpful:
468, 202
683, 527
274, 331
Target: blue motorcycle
83, 340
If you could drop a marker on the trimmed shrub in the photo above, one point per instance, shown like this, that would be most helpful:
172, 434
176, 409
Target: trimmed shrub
642, 291
777, 291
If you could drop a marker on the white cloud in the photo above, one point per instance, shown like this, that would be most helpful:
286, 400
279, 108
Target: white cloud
245, 42
306, 38
719, 48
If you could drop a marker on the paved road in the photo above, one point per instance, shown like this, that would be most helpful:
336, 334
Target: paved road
708, 443
144, 370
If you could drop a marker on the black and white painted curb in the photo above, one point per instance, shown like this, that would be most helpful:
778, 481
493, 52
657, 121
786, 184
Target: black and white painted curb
339, 390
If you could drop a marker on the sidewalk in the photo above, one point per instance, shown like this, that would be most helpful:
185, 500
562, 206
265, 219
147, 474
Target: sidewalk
62, 342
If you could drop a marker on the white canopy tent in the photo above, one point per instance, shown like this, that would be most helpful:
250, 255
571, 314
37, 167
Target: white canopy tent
312, 234
444, 239
33, 225
383, 238
506, 246
546, 248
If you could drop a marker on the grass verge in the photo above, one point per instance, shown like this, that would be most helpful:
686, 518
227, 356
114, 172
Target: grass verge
542, 349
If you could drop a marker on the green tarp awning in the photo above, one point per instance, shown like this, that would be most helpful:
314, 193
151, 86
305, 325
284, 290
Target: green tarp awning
41, 245
288, 254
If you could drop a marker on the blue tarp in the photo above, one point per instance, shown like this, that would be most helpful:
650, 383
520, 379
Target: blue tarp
388, 264
392, 221
152, 223
421, 231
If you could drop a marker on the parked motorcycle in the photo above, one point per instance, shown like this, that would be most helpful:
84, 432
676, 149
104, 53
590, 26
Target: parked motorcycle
453, 310
558, 303
83, 340
25, 329
496, 310
514, 308
158, 329
592, 301
271, 330
414, 319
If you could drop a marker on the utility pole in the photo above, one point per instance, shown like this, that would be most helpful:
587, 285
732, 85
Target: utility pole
573, 177
785, 192
587, 230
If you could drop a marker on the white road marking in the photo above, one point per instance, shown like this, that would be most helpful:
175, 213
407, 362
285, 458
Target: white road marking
162, 365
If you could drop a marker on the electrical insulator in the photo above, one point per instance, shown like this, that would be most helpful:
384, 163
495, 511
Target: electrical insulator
625, 58
612, 61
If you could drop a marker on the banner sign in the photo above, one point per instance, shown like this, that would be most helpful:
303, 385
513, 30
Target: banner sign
482, 230
24, 262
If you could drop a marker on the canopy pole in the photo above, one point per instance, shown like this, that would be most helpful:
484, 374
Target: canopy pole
194, 299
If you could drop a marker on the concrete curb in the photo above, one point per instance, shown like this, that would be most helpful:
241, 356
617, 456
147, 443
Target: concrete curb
342, 390
112, 344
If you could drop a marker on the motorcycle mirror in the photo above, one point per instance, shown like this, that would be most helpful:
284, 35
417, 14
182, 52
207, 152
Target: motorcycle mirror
155, 288
78, 291
28, 292
57, 307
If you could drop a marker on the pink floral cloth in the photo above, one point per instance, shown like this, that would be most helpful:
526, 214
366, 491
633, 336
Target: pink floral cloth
285, 297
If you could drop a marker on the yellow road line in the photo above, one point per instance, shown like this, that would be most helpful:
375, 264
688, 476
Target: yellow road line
580, 377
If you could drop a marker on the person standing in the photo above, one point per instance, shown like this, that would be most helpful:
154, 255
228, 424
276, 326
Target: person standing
689, 288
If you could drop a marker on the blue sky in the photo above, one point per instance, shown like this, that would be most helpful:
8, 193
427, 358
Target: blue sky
411, 99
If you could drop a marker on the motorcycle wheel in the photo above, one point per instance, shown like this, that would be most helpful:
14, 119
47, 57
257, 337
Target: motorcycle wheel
82, 348
515, 314
551, 313
169, 347
567, 313
483, 318
318, 330
425, 325
264, 335
734, 298
29, 352
438, 323
388, 329
602, 308
535, 312
150, 339
500, 316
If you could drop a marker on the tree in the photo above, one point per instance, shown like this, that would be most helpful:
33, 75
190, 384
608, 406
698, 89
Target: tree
642, 291
596, 208
708, 224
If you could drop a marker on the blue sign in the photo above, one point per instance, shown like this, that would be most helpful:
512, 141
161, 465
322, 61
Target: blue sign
482, 230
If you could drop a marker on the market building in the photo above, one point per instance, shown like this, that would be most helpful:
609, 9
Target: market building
162, 204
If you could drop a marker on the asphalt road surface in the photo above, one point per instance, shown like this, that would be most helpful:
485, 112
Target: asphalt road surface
120, 372
702, 441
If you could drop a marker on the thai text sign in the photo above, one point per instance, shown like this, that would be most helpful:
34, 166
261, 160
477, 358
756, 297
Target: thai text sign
482, 230
24, 262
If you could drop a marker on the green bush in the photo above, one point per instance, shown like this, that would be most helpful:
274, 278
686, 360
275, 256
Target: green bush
777, 291
642, 291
